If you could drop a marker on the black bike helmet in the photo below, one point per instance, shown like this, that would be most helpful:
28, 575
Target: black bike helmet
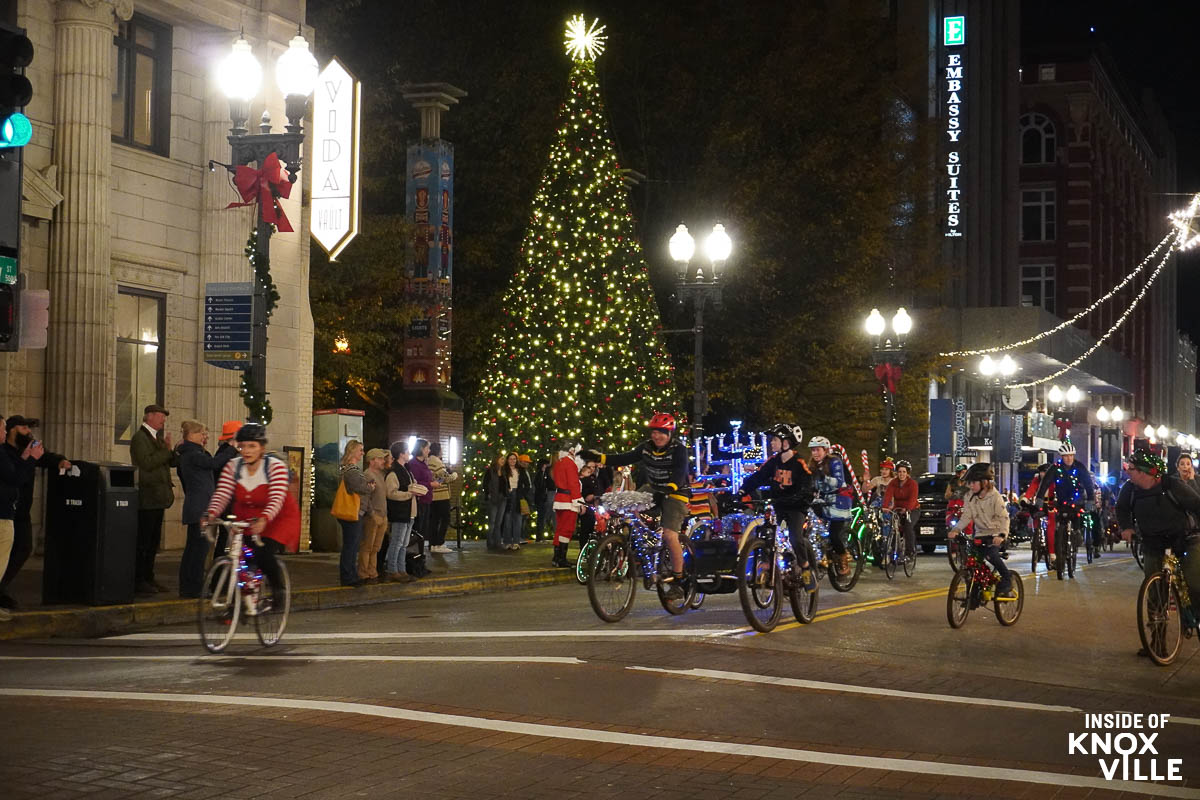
252, 432
980, 471
1145, 461
788, 433
906, 464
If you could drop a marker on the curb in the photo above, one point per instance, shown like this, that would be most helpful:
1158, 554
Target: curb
108, 620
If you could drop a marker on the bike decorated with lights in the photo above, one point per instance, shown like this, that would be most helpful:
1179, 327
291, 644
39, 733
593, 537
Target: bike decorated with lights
767, 569
894, 552
1037, 544
631, 552
1164, 611
1069, 535
233, 586
583, 565
974, 586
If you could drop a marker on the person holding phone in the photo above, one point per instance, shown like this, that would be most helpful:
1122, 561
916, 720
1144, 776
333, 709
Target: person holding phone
21, 438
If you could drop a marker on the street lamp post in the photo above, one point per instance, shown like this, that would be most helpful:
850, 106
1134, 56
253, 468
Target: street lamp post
700, 285
240, 76
888, 358
1064, 408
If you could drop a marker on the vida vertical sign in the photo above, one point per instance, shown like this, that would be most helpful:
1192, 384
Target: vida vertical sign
335, 190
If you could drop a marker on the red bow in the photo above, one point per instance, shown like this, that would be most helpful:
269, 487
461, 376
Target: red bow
263, 186
888, 375
1064, 429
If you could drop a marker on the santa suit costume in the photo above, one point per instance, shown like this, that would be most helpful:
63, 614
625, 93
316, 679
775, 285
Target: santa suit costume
568, 498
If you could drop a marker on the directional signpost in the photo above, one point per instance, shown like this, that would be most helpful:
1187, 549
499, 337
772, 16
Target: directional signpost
227, 326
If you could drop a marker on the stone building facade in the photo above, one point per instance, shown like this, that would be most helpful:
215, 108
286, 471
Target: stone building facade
124, 223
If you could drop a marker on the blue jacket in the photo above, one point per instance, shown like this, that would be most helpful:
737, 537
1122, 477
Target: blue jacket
836, 498
195, 470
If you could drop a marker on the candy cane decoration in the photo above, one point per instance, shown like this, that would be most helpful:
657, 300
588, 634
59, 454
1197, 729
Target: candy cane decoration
840, 452
866, 465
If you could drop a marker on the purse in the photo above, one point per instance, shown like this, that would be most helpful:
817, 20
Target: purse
345, 504
525, 512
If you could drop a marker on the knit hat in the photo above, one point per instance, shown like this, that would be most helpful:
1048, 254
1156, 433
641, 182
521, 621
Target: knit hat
229, 430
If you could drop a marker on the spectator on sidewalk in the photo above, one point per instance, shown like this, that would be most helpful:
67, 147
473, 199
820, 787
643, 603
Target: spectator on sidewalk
16, 469
516, 482
151, 452
439, 519
197, 476
495, 489
375, 521
352, 530
423, 475
401, 511
20, 436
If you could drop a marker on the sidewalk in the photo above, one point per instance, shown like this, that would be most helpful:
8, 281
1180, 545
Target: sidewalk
314, 586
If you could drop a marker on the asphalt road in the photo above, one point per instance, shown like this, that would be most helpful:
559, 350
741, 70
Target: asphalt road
528, 694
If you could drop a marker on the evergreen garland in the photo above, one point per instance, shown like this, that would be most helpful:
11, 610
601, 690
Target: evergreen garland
261, 262
258, 407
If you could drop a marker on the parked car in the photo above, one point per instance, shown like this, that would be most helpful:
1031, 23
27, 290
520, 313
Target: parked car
931, 519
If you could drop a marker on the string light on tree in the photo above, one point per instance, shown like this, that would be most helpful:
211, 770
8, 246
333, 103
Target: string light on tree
577, 352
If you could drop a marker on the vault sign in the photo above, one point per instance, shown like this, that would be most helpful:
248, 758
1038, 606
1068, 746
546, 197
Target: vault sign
336, 110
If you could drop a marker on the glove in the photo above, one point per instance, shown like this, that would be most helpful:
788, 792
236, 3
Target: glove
590, 455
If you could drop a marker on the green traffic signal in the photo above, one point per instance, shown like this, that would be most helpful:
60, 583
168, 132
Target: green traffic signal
15, 130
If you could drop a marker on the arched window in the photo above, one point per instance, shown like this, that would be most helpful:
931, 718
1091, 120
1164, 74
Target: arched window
1037, 139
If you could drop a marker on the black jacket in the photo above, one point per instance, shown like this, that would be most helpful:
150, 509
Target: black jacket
198, 478
1156, 515
791, 483
15, 474
47, 461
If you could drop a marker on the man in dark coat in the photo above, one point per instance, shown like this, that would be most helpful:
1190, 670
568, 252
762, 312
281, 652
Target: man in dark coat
16, 470
19, 437
150, 450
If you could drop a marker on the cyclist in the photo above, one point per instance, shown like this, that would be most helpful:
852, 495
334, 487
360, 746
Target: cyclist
956, 495
1030, 497
664, 461
986, 509
1072, 486
1160, 503
791, 483
257, 483
901, 499
834, 500
877, 486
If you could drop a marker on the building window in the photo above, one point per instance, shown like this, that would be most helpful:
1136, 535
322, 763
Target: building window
141, 88
1047, 73
1037, 215
141, 319
1037, 139
1037, 286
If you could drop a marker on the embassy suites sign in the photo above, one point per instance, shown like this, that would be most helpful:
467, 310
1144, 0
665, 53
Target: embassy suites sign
954, 39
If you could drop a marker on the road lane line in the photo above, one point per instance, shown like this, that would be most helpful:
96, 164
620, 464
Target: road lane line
848, 688
201, 659
864, 605
966, 771
390, 636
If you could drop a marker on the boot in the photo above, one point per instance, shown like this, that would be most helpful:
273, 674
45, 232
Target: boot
560, 556
843, 566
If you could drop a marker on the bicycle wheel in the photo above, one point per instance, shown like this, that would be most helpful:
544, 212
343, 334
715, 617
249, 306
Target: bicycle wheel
910, 562
1136, 546
1073, 550
759, 585
1008, 609
889, 560
583, 565
612, 582
956, 554
274, 606
804, 602
219, 606
678, 603
1061, 540
1035, 552
1160, 621
958, 599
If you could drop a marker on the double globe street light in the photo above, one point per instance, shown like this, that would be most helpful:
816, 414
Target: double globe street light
239, 76
888, 358
701, 286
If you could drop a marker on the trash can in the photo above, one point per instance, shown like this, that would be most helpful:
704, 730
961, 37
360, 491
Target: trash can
91, 535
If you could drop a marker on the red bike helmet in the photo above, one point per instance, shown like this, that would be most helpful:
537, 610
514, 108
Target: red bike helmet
662, 422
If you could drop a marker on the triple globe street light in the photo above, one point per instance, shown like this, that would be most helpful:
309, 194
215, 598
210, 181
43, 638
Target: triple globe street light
700, 285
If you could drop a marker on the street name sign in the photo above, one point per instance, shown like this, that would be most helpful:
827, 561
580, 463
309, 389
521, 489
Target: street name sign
228, 324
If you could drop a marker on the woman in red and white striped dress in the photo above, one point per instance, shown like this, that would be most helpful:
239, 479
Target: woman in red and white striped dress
258, 486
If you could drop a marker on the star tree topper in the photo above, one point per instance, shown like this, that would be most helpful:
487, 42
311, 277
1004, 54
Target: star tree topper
1184, 221
584, 43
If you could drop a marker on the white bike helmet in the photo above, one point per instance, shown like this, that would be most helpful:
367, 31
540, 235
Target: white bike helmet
1066, 448
819, 441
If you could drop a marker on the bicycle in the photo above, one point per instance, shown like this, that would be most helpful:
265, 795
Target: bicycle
1165, 616
231, 586
895, 551
1038, 546
1069, 535
634, 550
975, 585
768, 568
819, 543
1135, 547
587, 551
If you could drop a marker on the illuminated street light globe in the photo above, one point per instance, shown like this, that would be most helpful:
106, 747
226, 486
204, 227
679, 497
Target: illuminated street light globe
1007, 365
296, 70
1180, 439
902, 322
1074, 395
987, 366
239, 74
1055, 395
682, 245
1163, 430
1117, 414
718, 245
875, 323
1102, 414
1148, 432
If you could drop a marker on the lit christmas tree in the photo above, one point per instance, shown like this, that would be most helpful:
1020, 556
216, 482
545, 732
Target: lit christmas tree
578, 353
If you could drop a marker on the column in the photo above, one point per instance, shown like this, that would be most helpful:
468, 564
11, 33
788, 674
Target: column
223, 233
79, 359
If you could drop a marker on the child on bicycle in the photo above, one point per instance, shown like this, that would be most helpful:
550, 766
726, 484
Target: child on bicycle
986, 509
835, 498
257, 484
791, 483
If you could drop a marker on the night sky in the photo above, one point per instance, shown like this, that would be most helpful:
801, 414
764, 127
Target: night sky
1154, 46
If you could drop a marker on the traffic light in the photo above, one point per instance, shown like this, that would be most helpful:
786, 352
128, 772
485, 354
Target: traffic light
16, 53
10, 317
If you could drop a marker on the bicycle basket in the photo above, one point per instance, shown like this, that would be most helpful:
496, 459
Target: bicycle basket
627, 502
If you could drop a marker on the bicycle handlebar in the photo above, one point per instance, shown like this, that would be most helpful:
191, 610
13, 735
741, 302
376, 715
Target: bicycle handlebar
229, 525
